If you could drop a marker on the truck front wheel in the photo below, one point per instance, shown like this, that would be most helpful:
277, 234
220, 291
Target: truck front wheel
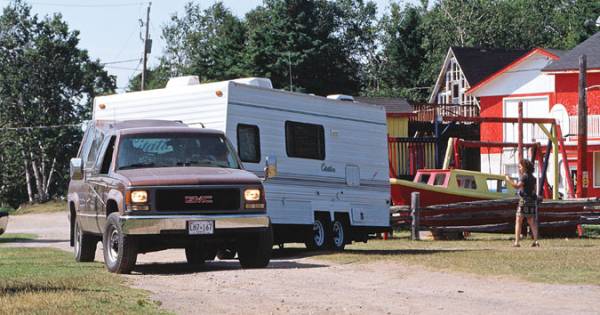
120, 252
256, 252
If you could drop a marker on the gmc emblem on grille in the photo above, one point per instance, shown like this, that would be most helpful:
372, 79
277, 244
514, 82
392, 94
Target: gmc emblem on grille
198, 199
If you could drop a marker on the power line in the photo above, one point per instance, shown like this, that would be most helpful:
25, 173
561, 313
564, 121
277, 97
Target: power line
122, 68
112, 5
29, 128
119, 61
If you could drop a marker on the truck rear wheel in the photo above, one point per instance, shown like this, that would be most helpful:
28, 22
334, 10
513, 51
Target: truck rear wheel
84, 244
320, 236
120, 252
256, 252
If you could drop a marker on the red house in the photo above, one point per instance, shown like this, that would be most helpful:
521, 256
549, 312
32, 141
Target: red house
546, 81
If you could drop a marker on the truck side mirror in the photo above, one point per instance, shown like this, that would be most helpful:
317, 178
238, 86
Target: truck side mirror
270, 166
76, 169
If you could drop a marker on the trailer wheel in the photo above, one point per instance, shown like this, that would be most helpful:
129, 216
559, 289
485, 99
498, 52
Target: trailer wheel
84, 244
320, 236
339, 234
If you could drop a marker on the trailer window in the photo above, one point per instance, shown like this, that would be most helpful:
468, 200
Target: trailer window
305, 140
248, 140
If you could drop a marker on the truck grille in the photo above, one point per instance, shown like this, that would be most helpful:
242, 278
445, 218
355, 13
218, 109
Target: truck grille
198, 199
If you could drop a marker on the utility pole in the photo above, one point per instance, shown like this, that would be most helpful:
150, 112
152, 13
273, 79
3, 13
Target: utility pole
582, 171
147, 46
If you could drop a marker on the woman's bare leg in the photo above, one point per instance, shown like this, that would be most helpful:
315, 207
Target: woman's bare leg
534, 228
518, 224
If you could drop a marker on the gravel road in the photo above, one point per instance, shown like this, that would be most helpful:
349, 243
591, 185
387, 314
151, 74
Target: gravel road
303, 285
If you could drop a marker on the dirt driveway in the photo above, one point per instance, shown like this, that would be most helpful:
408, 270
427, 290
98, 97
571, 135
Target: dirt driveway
303, 285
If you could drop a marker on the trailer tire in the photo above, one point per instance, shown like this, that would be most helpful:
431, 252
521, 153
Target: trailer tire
120, 250
84, 244
339, 234
256, 252
319, 237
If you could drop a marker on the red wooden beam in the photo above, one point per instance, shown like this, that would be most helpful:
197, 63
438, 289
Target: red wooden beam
490, 144
520, 132
499, 120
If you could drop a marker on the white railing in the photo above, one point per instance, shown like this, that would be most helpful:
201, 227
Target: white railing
593, 126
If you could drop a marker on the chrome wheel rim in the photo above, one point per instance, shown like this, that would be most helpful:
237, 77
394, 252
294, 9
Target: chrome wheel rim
338, 234
318, 233
113, 244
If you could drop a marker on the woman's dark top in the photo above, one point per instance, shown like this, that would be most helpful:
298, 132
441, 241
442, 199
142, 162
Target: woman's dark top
528, 189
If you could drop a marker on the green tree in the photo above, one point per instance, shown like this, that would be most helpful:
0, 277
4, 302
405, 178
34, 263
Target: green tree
401, 59
45, 80
305, 41
208, 43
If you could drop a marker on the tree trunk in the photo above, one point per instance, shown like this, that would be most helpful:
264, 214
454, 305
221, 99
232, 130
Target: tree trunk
27, 179
38, 180
52, 169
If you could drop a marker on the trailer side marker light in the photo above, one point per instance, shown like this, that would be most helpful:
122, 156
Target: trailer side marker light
102, 106
219, 93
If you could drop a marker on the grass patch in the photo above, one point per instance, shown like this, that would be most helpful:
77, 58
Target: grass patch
569, 261
12, 238
49, 281
46, 207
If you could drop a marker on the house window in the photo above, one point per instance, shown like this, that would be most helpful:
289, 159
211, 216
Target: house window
454, 90
248, 140
596, 169
305, 140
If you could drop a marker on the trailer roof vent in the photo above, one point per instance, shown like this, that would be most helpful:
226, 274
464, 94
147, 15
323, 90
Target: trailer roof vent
183, 81
341, 97
259, 82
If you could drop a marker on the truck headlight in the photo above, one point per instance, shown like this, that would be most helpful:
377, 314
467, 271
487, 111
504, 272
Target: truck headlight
252, 194
139, 196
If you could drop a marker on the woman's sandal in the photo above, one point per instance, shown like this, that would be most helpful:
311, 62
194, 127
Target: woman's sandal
516, 245
535, 244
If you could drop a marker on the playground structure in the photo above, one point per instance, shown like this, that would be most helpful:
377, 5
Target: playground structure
493, 214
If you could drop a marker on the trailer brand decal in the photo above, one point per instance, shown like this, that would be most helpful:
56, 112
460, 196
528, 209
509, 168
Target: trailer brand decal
198, 199
327, 168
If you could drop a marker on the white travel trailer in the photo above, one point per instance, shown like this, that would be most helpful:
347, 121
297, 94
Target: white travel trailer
327, 180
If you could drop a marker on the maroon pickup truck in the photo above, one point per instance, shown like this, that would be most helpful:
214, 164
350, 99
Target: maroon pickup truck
149, 185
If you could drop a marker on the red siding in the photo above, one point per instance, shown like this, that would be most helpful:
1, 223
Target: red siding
567, 94
491, 106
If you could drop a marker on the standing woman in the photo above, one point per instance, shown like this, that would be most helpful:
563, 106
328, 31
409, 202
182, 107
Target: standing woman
527, 201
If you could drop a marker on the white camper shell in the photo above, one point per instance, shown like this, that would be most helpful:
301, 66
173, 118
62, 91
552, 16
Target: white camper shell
332, 182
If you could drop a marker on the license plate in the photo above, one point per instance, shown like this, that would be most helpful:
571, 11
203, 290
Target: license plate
201, 227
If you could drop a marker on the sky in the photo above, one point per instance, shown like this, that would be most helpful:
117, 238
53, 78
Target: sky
110, 30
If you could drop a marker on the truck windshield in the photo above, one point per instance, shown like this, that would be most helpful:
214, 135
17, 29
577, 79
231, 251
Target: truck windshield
175, 150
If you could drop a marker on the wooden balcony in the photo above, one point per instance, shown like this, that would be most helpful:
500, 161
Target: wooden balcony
425, 112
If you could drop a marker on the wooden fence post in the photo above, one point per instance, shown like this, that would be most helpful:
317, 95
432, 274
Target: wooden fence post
414, 213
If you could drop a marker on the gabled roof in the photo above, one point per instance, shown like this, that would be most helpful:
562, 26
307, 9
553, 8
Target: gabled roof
392, 105
551, 53
570, 61
477, 63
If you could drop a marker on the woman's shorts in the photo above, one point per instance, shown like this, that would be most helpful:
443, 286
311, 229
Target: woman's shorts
526, 209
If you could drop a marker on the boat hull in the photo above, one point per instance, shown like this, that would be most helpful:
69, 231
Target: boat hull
401, 194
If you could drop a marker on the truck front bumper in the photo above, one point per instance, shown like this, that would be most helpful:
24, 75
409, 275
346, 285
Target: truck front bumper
155, 224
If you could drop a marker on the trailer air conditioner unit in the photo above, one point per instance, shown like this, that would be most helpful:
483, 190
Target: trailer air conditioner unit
341, 97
